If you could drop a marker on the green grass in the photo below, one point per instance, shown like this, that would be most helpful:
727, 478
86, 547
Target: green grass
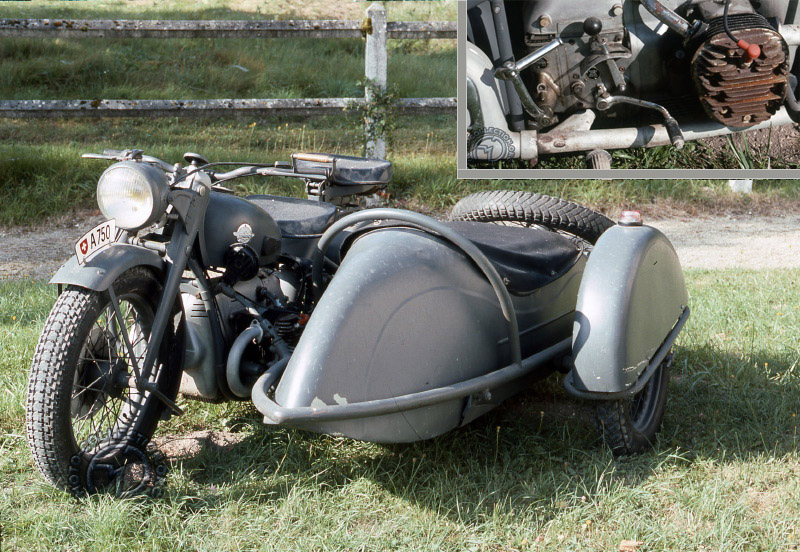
529, 476
43, 173
44, 176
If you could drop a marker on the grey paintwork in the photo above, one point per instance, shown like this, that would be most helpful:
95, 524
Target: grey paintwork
405, 313
631, 297
199, 378
106, 266
226, 215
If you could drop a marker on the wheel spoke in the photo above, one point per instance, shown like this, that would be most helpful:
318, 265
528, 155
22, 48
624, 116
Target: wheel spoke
109, 410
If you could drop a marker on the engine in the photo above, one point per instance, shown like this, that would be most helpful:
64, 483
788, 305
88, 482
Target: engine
638, 49
734, 88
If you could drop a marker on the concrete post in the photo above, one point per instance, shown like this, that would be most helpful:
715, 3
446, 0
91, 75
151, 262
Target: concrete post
375, 73
741, 186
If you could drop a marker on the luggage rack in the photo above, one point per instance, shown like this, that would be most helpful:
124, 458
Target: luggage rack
332, 177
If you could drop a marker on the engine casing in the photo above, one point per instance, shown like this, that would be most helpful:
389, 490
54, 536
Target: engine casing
654, 61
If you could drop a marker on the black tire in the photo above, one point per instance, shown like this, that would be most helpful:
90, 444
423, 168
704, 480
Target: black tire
531, 209
629, 426
78, 396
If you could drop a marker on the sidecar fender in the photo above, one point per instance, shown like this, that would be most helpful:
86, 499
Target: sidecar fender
631, 305
106, 266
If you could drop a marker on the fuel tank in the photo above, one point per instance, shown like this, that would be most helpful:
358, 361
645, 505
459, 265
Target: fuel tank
407, 312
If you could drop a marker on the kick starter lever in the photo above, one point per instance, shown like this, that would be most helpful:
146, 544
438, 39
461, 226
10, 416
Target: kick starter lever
510, 72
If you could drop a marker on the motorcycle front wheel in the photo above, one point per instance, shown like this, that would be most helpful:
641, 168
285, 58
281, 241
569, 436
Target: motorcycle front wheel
82, 392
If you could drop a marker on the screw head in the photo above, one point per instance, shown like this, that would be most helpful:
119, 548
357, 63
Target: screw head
545, 21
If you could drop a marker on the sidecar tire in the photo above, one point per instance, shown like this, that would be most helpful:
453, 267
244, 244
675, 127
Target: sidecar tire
531, 209
73, 344
629, 426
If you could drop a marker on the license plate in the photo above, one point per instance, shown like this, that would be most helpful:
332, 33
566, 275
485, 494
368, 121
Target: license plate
99, 237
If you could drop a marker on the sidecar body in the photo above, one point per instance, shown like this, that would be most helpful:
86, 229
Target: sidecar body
427, 325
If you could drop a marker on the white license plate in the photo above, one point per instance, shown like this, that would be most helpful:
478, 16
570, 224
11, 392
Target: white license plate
99, 237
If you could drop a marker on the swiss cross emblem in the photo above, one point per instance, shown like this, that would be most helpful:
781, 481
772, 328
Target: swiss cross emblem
84, 245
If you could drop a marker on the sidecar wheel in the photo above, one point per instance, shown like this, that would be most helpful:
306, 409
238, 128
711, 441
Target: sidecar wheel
530, 209
629, 426
81, 395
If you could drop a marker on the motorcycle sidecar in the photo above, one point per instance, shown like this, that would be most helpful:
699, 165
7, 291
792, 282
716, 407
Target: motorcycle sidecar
428, 325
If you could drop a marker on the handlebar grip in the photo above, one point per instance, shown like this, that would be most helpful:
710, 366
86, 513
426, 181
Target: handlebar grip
674, 132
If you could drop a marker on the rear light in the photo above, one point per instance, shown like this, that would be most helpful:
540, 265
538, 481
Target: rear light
630, 218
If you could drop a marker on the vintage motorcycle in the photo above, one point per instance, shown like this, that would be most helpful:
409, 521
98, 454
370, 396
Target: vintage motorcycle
546, 77
377, 324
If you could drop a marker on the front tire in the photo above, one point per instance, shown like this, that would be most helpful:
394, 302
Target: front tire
629, 426
81, 392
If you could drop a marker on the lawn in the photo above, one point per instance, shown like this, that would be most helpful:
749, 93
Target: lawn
724, 474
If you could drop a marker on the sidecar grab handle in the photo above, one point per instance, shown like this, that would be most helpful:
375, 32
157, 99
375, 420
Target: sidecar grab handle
431, 225
339, 412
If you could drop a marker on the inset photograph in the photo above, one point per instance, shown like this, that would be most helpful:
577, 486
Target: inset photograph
650, 84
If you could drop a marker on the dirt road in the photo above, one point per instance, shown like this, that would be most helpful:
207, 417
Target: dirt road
709, 242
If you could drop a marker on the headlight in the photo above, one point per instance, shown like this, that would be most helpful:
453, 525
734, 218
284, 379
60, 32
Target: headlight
134, 194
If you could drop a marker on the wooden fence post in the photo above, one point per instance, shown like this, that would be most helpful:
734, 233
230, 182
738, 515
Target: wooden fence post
375, 73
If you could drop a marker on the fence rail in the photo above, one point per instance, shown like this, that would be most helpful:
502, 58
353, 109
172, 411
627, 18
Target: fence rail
374, 28
200, 108
122, 28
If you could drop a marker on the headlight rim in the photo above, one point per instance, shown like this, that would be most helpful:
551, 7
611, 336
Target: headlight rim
156, 186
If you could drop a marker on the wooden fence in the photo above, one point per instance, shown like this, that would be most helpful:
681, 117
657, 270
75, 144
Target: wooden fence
374, 28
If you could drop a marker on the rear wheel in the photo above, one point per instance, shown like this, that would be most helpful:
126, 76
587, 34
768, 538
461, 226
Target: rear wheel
529, 209
629, 426
82, 394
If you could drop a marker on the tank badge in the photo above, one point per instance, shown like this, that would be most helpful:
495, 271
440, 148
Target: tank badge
244, 233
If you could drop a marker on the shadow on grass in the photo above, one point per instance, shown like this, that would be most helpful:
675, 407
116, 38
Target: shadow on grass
538, 451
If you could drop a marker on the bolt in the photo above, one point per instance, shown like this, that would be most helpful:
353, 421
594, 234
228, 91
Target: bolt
616, 10
559, 143
497, 9
577, 87
541, 87
544, 21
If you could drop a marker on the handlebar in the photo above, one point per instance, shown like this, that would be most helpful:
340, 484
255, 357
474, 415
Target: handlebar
279, 168
128, 155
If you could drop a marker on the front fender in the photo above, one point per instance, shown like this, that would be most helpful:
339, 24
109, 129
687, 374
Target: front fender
106, 266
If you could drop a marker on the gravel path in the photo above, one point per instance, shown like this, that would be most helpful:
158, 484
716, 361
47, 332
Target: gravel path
708, 242
731, 242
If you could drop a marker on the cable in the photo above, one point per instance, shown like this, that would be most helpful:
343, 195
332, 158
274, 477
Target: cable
751, 51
